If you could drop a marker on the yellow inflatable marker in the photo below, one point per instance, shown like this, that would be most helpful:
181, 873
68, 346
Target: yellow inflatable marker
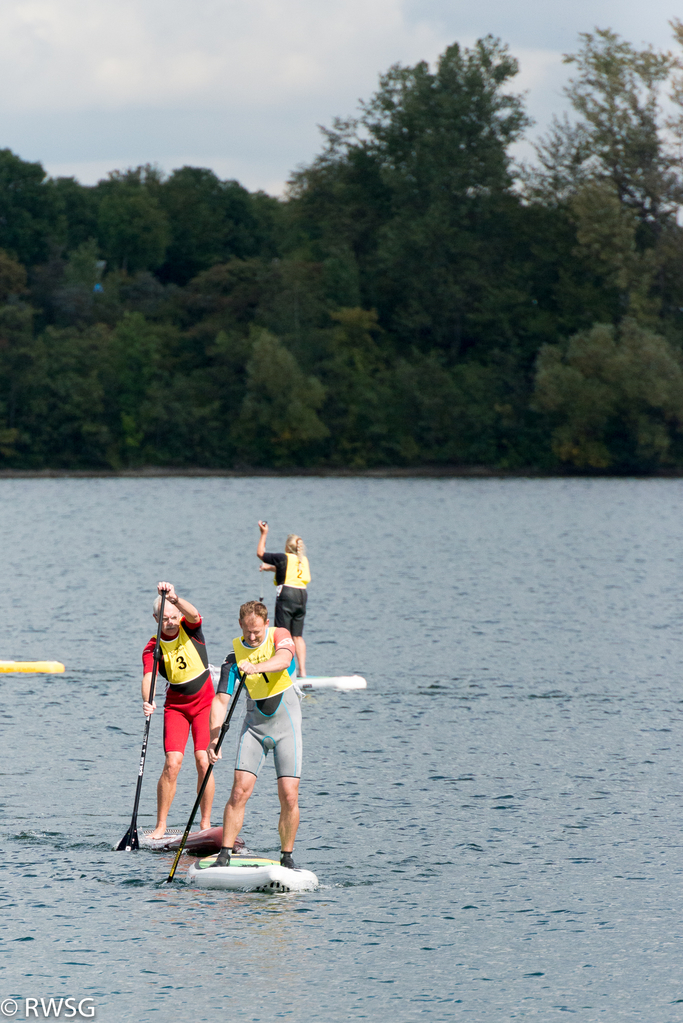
31, 667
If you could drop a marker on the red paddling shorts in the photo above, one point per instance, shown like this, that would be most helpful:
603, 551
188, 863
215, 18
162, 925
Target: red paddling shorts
182, 713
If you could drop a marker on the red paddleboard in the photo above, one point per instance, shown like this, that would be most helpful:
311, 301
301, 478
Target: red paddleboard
199, 843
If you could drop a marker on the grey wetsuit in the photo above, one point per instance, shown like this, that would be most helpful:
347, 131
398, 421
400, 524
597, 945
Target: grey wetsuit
279, 732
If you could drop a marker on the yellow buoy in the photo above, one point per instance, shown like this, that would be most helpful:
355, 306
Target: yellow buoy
29, 667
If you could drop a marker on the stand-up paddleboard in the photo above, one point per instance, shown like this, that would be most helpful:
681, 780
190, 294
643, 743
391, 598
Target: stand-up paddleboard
342, 683
199, 843
251, 874
31, 667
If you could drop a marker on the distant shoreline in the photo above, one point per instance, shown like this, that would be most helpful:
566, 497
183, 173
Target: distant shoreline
384, 472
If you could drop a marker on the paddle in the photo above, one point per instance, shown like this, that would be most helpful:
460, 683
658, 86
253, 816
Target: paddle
265, 523
223, 732
130, 839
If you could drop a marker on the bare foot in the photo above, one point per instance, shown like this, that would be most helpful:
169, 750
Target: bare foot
205, 825
158, 832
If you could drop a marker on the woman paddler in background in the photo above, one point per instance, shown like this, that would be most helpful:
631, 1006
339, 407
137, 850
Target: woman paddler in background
292, 576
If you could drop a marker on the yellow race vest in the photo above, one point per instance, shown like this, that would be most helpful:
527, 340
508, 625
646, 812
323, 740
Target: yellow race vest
182, 661
298, 573
257, 687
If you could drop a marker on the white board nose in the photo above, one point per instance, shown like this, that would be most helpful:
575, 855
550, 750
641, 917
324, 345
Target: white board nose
342, 683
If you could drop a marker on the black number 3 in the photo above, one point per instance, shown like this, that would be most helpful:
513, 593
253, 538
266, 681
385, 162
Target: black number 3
181, 662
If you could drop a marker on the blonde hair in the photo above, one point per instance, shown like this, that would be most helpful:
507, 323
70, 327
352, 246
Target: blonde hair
295, 545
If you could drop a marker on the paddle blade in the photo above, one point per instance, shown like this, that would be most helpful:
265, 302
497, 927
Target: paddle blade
129, 841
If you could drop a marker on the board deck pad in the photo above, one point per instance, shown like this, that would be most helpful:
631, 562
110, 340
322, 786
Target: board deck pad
250, 873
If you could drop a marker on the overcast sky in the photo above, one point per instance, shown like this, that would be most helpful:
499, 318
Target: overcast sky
240, 85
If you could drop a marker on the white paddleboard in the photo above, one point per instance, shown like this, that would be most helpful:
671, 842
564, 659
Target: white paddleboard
342, 683
250, 874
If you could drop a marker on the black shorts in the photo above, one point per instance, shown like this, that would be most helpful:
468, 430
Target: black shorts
290, 610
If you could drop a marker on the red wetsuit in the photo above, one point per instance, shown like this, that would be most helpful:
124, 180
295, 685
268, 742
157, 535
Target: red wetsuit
190, 707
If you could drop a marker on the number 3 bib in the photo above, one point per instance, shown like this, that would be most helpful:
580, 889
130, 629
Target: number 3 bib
183, 658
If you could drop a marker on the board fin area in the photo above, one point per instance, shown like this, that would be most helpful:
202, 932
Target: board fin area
249, 873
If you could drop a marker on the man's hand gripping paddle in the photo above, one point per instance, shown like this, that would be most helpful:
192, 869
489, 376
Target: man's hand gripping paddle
223, 732
130, 839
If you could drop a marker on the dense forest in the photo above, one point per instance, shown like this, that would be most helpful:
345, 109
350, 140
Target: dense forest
416, 298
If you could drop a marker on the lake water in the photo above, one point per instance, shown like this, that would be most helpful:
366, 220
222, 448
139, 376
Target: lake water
496, 821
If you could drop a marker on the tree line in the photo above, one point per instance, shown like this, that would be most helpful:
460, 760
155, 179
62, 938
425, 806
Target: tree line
417, 297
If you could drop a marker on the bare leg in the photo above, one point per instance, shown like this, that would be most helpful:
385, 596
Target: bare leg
166, 791
288, 791
202, 762
300, 648
233, 818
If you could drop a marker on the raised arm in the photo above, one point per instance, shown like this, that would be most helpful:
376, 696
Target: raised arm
187, 610
261, 549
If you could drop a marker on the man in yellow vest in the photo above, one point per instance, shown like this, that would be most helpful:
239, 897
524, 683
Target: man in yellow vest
264, 655
189, 692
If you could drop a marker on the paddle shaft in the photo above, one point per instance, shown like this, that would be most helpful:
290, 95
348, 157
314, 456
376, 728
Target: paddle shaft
261, 576
223, 732
130, 839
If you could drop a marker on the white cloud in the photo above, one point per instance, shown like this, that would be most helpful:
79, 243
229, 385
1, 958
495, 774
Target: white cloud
542, 76
76, 54
536, 67
239, 85
89, 172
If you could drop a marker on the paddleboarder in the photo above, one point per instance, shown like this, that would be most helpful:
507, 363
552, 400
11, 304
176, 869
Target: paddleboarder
189, 692
264, 655
292, 576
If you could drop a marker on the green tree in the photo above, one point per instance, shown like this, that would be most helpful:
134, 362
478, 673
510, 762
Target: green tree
212, 221
76, 207
28, 210
355, 409
614, 398
16, 363
290, 297
619, 137
614, 177
457, 414
133, 229
278, 422
418, 188
57, 401
606, 233
12, 277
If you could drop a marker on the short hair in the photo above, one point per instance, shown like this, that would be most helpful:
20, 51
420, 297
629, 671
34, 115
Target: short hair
254, 607
157, 604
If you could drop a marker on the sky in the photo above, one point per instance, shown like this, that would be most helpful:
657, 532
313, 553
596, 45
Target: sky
240, 86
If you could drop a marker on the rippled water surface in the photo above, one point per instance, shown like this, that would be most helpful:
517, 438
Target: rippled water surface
496, 822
